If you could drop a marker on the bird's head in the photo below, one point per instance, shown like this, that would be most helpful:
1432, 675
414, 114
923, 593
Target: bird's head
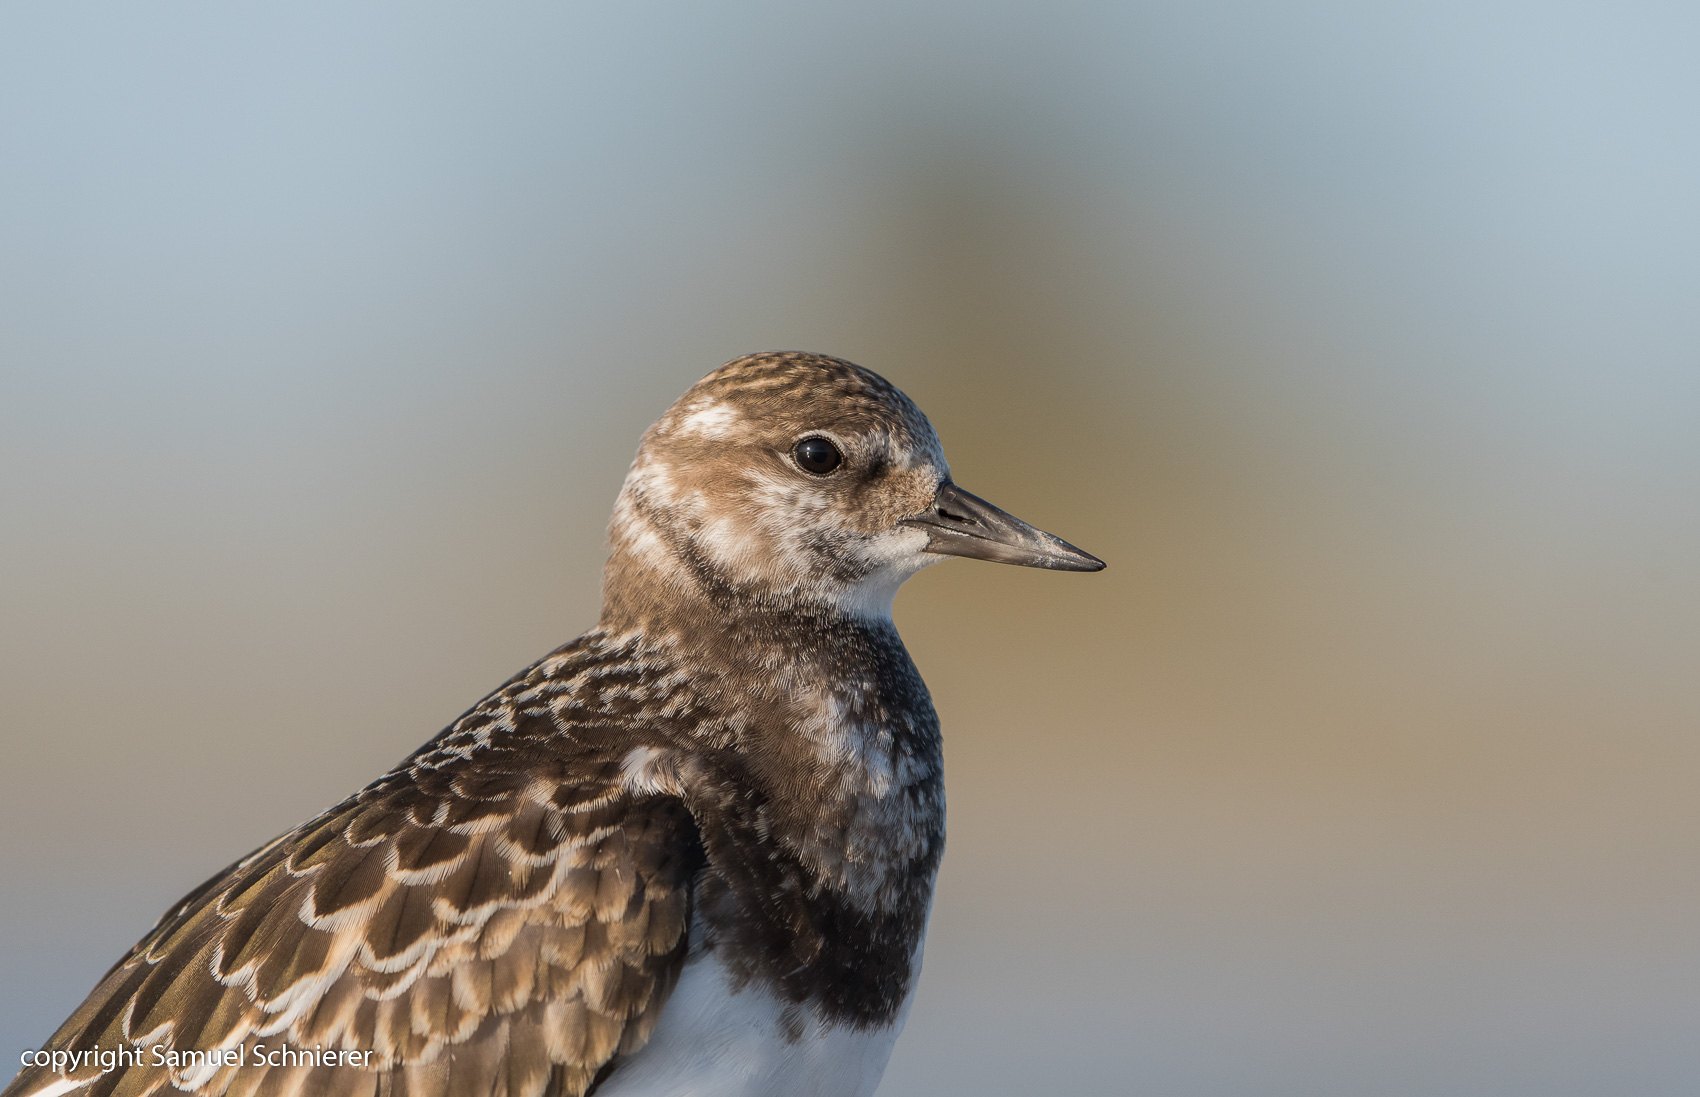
797, 479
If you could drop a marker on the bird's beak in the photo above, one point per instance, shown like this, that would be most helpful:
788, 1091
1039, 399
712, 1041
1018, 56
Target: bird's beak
960, 523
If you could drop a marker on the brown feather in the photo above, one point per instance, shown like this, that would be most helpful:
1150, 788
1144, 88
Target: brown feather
352, 877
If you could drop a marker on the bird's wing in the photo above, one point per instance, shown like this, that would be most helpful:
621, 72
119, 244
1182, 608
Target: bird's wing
507, 923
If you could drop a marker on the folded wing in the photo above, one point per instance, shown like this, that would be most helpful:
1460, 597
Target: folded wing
507, 925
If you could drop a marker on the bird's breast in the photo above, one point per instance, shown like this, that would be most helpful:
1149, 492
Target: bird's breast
722, 1035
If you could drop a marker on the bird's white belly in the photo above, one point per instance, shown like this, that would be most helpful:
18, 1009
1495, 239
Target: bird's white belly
712, 1041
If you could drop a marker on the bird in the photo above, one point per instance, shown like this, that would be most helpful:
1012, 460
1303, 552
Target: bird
691, 853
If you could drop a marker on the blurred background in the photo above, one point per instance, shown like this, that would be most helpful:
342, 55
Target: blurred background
1359, 338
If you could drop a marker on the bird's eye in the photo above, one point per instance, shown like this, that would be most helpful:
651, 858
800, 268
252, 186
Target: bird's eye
817, 455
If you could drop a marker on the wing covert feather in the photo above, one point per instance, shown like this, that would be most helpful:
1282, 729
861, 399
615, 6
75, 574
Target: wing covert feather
505, 926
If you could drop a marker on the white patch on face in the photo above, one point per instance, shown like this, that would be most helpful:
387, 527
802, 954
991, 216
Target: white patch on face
895, 556
647, 546
728, 542
655, 481
709, 421
635, 535
785, 503
712, 1039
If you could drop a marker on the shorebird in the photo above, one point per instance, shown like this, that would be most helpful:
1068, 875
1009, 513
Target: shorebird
691, 852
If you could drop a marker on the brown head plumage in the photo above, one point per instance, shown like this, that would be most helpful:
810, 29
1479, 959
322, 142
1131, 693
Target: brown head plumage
789, 478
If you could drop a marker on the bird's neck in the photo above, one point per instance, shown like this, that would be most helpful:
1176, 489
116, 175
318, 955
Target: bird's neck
812, 766
785, 676
820, 708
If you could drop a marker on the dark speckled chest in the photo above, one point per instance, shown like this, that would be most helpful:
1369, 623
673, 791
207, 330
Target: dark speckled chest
770, 914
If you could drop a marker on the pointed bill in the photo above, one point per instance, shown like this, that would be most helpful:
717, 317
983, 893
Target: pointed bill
960, 523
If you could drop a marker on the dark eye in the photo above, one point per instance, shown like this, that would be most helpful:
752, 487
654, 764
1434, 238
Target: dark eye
817, 455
